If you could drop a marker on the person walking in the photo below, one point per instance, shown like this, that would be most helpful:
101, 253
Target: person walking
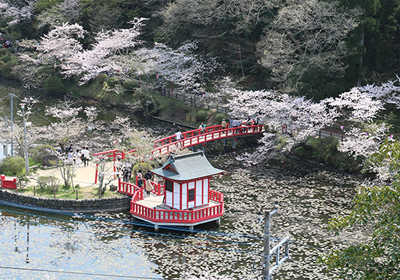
77, 158
149, 186
70, 157
85, 156
223, 124
139, 178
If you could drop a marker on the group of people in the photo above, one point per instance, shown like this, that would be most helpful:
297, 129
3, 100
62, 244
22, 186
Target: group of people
77, 157
148, 177
124, 168
7, 44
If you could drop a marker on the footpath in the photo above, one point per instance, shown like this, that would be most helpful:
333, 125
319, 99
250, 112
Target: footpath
84, 177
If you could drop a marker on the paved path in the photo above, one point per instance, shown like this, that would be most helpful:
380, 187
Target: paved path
84, 175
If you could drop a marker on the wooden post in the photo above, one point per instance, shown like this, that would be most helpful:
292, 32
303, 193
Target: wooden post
267, 238
76, 191
34, 190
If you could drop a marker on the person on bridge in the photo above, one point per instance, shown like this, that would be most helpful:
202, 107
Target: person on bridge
202, 128
139, 178
223, 124
149, 186
178, 138
235, 124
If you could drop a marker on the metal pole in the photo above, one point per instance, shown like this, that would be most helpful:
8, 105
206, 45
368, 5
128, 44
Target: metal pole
6, 153
267, 238
26, 147
12, 114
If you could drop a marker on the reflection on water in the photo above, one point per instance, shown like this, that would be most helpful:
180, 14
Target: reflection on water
36, 247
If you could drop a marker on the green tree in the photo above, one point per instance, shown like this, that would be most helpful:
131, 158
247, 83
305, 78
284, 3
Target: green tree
377, 209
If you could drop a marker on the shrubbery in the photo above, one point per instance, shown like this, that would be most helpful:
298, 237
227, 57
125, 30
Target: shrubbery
201, 116
112, 82
48, 183
130, 85
176, 109
12, 166
102, 77
36, 153
219, 118
6, 69
53, 84
6, 58
325, 150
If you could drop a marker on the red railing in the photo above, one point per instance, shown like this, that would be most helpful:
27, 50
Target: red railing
216, 196
179, 216
195, 137
190, 138
185, 135
158, 189
129, 189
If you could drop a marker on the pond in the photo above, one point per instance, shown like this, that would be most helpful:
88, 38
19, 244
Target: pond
46, 246
308, 197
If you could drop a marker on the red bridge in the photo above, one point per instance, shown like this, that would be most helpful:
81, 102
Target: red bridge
188, 139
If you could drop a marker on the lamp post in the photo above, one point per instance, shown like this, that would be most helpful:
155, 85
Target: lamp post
26, 147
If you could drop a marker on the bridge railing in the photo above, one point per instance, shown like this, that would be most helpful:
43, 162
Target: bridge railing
213, 133
185, 135
129, 189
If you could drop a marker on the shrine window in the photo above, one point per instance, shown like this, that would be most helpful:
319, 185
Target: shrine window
191, 195
168, 186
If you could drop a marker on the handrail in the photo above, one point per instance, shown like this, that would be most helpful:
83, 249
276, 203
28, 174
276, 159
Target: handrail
189, 139
178, 216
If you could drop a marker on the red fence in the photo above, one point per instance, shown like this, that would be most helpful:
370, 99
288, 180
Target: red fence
188, 139
196, 137
178, 216
8, 184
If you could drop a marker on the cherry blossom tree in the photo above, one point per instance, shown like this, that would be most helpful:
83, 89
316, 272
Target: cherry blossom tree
68, 126
180, 66
67, 11
16, 11
304, 35
61, 49
282, 113
105, 53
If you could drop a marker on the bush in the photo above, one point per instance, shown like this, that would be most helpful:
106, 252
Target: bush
201, 116
102, 77
3, 51
113, 81
12, 166
219, 118
325, 150
36, 153
130, 85
53, 84
6, 69
48, 183
176, 109
22, 181
6, 58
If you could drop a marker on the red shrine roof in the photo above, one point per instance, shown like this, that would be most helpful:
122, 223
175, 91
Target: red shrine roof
187, 167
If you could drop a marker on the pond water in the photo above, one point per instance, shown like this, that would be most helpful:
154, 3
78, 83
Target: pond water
39, 245
61, 247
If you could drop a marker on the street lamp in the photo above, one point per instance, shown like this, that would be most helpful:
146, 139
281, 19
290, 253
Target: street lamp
26, 147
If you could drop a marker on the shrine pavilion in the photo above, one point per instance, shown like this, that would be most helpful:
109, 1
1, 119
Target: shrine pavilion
184, 197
